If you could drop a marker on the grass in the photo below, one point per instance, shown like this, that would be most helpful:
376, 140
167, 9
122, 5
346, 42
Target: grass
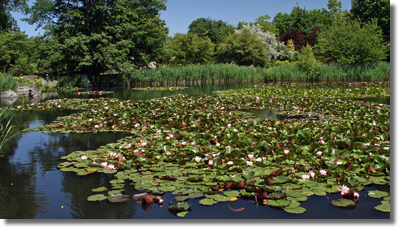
7, 82
5, 128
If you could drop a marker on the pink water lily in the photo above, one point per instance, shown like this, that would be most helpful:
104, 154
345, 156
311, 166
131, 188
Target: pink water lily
168, 153
259, 159
319, 153
322, 172
249, 163
305, 177
182, 143
229, 163
197, 159
84, 157
210, 162
111, 154
250, 156
104, 164
312, 174
286, 151
344, 191
111, 167
217, 144
167, 138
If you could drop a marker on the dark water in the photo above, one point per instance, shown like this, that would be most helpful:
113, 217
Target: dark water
31, 186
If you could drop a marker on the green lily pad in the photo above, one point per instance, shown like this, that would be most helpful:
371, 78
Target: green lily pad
182, 214
101, 189
97, 197
181, 198
377, 194
299, 198
119, 198
196, 195
343, 203
278, 203
296, 210
276, 195
383, 207
167, 188
293, 204
231, 193
207, 201
182, 206
222, 198
280, 179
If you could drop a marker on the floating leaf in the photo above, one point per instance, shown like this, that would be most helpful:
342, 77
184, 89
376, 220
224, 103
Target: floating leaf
97, 197
101, 189
208, 201
383, 207
221, 198
181, 198
182, 214
343, 203
181, 206
118, 198
296, 210
377, 194
278, 203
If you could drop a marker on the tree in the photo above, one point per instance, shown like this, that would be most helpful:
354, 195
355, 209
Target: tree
213, 29
366, 10
307, 62
190, 49
351, 42
275, 49
7, 22
91, 36
242, 48
15, 50
266, 25
299, 40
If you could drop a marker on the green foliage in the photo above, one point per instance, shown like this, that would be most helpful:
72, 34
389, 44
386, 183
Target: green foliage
95, 37
266, 25
307, 62
190, 49
5, 127
366, 10
213, 29
350, 42
14, 52
7, 82
7, 21
243, 49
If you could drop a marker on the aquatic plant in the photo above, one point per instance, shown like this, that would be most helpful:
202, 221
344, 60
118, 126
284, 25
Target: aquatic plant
199, 146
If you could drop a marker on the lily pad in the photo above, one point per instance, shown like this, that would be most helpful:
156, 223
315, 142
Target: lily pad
207, 201
119, 198
101, 189
377, 194
97, 197
222, 198
383, 207
343, 203
278, 203
182, 214
231, 193
181, 198
182, 206
296, 210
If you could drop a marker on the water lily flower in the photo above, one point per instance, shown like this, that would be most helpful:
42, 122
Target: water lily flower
264, 158
259, 159
111, 167
257, 98
312, 174
249, 163
269, 128
217, 144
386, 148
84, 157
182, 143
229, 163
193, 143
235, 130
137, 125
229, 125
104, 164
322, 141
344, 191
250, 156
167, 138
90, 120
171, 136
305, 177
286, 151
322, 172
168, 153
210, 162
197, 159
142, 143
214, 155
319, 153
158, 131
111, 154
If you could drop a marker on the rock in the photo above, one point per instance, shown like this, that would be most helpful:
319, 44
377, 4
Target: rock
34, 100
8, 101
34, 91
85, 81
23, 90
8, 94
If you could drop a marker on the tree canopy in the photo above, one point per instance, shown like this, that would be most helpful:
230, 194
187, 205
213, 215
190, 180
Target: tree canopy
92, 36
7, 22
213, 29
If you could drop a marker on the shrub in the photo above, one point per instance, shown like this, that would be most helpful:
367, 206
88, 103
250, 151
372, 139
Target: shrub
307, 63
7, 82
243, 48
349, 42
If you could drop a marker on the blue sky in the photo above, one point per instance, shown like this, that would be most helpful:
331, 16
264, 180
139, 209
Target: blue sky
180, 13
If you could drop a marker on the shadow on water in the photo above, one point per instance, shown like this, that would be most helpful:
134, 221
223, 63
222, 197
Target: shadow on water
31, 186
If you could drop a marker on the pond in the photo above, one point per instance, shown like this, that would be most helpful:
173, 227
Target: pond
32, 187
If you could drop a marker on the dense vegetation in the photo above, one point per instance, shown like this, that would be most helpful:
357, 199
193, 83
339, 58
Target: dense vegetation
93, 37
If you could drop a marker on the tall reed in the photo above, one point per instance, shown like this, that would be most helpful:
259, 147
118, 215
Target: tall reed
7, 82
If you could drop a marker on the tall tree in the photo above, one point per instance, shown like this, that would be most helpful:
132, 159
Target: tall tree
7, 22
213, 29
91, 36
366, 10
266, 25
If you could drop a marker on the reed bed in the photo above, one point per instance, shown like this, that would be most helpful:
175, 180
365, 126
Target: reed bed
229, 73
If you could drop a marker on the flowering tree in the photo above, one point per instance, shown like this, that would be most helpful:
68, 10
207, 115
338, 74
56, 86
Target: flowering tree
275, 49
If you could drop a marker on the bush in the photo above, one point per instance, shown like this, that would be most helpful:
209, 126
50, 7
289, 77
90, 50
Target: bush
307, 63
7, 82
350, 42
